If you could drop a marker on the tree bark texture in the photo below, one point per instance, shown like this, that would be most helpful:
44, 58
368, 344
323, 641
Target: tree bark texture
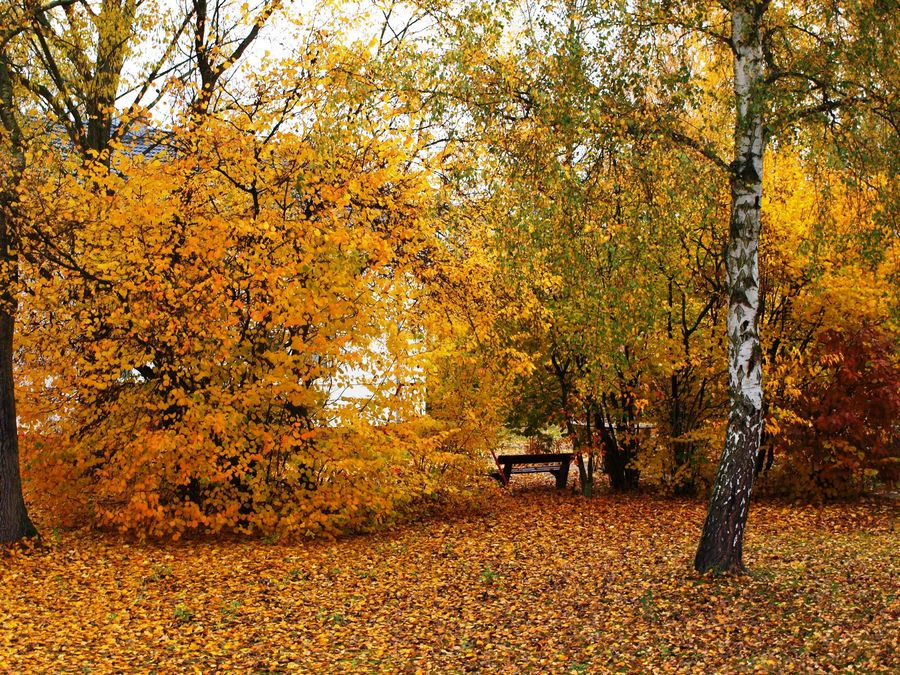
114, 30
14, 521
721, 545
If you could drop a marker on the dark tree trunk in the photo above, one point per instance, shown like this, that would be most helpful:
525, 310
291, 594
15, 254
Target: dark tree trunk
114, 30
14, 521
586, 470
721, 545
586, 475
622, 478
616, 423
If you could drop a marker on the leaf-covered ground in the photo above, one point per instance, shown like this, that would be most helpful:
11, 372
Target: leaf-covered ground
536, 582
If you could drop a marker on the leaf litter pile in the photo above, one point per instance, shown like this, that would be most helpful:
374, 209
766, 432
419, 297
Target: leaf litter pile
534, 582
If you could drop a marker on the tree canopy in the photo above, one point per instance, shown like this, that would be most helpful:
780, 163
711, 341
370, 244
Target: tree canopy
299, 271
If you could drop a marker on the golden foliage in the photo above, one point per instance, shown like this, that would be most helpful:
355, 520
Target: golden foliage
187, 371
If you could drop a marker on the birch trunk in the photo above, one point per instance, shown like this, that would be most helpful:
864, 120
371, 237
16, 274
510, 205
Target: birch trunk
721, 545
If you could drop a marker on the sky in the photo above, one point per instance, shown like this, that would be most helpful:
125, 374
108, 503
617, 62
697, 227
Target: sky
277, 40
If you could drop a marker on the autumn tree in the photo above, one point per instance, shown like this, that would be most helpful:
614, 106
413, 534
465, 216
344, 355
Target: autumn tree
664, 73
767, 97
271, 290
66, 61
828, 276
790, 71
52, 62
551, 174
722, 541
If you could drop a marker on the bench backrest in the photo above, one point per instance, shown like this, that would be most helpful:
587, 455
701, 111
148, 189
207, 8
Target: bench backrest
540, 458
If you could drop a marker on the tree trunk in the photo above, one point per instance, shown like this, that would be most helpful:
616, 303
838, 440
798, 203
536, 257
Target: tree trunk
14, 521
586, 474
618, 434
114, 31
721, 545
618, 456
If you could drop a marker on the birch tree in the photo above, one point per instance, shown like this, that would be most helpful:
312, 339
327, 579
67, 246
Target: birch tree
721, 545
795, 70
820, 68
830, 70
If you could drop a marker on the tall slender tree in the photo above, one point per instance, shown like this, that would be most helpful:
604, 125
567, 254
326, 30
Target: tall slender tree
721, 545
14, 521
791, 71
52, 61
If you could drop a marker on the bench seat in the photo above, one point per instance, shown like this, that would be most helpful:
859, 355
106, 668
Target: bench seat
535, 469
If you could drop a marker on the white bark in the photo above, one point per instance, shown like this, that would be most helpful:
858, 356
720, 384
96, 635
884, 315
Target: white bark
742, 264
721, 546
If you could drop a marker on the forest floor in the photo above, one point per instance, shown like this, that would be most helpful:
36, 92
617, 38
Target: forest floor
533, 582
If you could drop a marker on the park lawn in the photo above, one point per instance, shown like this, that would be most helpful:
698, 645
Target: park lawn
533, 582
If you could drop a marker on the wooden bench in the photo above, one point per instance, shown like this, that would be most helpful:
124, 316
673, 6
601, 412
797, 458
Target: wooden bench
555, 463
